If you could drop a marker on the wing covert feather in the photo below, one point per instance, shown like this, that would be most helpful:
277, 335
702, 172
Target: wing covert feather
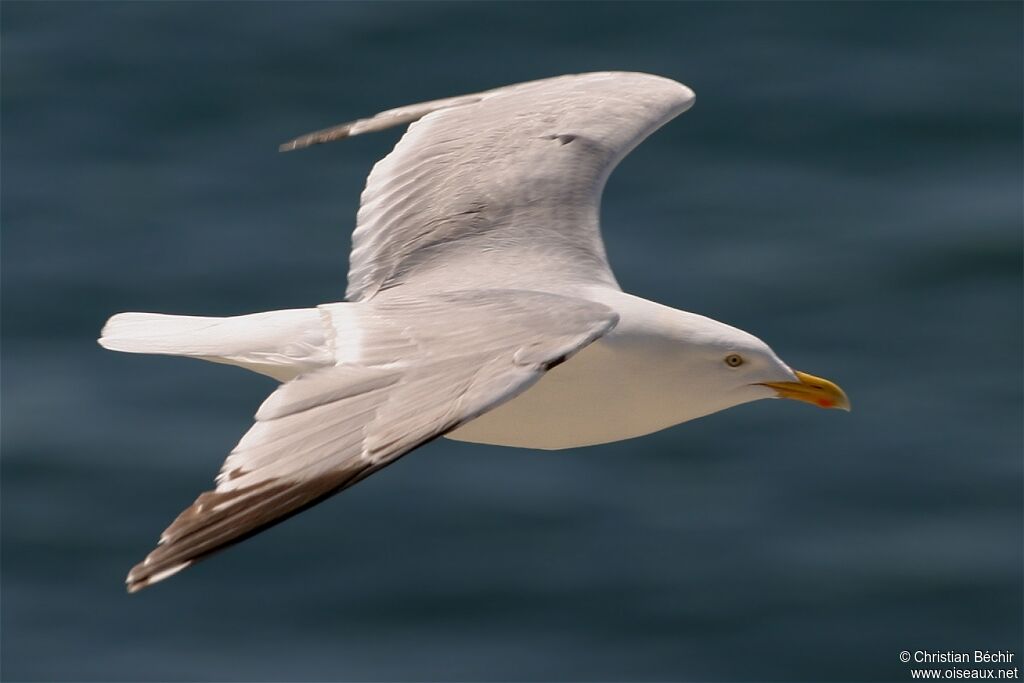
500, 188
460, 354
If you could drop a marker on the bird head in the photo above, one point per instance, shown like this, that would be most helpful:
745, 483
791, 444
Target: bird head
730, 367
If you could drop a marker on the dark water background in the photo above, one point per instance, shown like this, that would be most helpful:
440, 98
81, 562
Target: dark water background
848, 187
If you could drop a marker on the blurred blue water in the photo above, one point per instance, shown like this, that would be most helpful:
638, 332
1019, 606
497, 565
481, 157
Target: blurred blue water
848, 187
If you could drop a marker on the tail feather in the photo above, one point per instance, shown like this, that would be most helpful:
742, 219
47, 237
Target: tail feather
280, 344
180, 335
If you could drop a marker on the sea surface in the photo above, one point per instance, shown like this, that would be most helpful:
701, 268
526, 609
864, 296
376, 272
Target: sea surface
847, 187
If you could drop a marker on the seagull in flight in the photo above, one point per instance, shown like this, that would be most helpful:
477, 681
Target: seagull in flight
480, 306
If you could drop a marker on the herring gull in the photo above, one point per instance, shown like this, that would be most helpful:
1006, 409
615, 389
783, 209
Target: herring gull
480, 306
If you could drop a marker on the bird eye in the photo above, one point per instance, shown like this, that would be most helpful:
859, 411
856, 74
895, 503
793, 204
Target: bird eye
734, 360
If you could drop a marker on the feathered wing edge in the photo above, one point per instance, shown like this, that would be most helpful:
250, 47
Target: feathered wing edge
331, 428
506, 181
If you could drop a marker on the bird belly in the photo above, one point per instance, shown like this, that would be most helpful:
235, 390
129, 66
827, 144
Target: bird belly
602, 394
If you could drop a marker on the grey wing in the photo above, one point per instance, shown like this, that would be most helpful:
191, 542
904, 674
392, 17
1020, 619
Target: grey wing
500, 188
428, 365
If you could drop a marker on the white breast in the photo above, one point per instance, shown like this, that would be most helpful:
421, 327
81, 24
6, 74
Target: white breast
607, 392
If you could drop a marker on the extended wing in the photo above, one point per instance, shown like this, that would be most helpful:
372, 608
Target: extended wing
411, 370
500, 188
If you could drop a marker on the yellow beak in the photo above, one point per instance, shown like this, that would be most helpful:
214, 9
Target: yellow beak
811, 389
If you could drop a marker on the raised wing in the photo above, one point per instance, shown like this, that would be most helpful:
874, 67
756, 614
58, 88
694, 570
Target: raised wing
417, 368
501, 188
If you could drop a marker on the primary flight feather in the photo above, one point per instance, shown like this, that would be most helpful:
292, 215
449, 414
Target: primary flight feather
480, 306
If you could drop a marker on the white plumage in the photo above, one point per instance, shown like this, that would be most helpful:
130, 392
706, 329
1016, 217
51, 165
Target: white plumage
477, 268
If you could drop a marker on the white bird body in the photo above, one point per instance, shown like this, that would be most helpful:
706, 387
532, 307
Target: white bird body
480, 306
637, 379
632, 381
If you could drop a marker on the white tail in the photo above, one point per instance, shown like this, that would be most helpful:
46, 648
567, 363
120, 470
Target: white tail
281, 344
180, 335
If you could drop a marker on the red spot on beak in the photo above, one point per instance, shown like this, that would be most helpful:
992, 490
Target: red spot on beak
825, 403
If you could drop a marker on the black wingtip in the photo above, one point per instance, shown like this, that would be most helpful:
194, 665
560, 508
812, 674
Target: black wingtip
141, 577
